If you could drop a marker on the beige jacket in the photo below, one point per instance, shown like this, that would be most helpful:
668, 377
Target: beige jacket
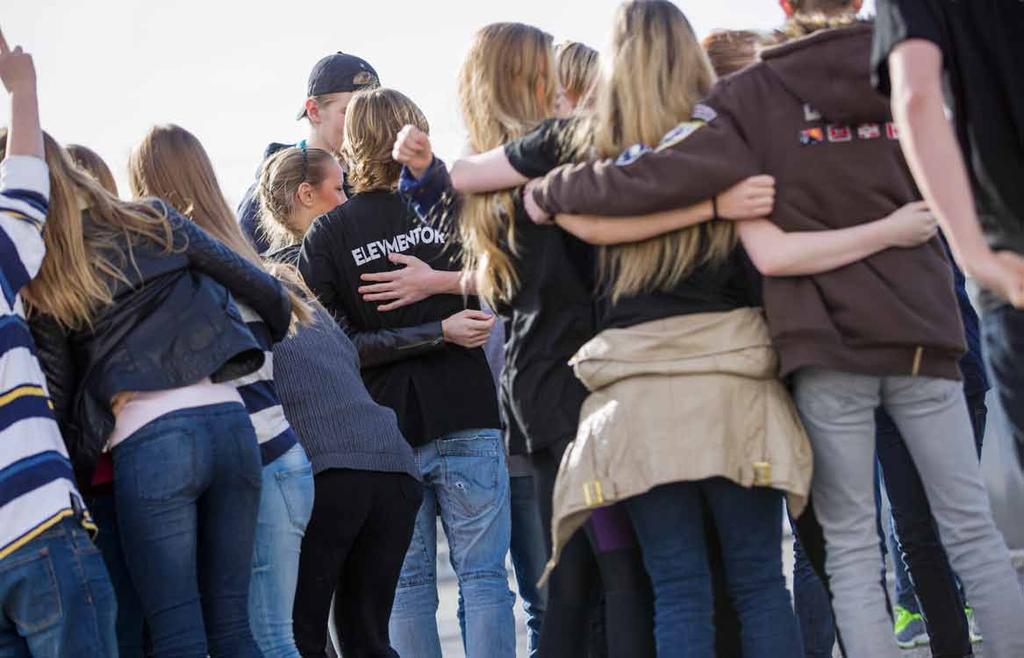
681, 399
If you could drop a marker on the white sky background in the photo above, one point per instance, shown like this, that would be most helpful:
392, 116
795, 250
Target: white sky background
234, 71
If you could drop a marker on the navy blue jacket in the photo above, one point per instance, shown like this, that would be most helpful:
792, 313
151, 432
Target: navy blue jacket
249, 208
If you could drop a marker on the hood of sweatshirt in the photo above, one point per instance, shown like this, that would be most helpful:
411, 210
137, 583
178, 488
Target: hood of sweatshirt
830, 71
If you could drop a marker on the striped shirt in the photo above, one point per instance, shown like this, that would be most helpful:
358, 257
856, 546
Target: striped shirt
259, 395
37, 484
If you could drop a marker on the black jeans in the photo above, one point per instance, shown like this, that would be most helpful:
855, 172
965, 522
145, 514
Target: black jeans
934, 583
1003, 332
354, 546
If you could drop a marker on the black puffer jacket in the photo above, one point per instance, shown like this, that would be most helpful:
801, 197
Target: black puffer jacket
172, 324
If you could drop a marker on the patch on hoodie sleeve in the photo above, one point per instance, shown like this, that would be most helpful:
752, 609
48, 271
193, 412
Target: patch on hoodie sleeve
671, 138
705, 113
632, 154
678, 134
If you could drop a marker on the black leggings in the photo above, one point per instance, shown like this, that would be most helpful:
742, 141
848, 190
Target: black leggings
355, 544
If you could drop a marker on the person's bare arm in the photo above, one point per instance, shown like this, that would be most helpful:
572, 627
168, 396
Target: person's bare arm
19, 78
931, 149
485, 172
802, 253
748, 199
598, 230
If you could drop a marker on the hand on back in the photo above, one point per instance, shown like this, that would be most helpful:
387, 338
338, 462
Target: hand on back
911, 225
752, 198
397, 288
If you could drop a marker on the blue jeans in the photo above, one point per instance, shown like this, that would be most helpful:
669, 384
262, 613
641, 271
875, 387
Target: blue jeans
187, 487
1003, 332
130, 621
466, 480
669, 524
812, 605
286, 502
56, 598
529, 555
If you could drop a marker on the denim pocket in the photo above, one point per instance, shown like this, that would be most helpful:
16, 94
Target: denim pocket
472, 467
162, 464
297, 491
36, 607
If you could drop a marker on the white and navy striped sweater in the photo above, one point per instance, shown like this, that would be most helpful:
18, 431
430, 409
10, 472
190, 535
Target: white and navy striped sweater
37, 487
259, 395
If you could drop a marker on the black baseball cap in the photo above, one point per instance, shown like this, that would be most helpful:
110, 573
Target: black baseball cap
340, 72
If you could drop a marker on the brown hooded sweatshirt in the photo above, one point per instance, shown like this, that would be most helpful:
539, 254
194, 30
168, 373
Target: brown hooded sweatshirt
807, 115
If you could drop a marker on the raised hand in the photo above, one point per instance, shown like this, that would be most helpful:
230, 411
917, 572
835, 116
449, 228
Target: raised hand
18, 74
412, 149
16, 69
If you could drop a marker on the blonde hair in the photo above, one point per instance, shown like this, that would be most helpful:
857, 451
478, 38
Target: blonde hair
72, 283
577, 66
280, 178
802, 25
372, 120
170, 163
506, 87
811, 16
732, 50
93, 165
653, 76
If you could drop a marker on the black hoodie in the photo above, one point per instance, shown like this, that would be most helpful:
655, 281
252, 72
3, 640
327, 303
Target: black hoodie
807, 115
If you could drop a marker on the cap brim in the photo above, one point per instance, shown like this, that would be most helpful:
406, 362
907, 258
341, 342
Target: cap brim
301, 115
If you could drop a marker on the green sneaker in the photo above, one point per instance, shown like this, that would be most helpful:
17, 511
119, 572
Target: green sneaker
973, 626
909, 629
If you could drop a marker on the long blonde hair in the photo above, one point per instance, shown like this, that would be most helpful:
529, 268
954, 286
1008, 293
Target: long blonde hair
655, 72
170, 163
72, 283
280, 178
372, 120
577, 65
506, 87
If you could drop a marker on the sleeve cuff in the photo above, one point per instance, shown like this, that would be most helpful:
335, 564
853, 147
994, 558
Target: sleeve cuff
25, 172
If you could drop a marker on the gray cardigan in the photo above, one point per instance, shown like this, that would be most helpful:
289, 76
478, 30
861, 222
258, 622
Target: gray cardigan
340, 426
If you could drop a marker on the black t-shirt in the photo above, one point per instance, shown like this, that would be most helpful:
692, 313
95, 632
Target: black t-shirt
550, 317
982, 43
432, 394
708, 289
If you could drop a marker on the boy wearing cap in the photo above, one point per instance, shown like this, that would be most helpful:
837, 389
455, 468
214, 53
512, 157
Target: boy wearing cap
332, 83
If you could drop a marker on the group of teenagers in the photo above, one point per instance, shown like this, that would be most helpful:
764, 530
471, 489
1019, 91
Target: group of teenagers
669, 296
